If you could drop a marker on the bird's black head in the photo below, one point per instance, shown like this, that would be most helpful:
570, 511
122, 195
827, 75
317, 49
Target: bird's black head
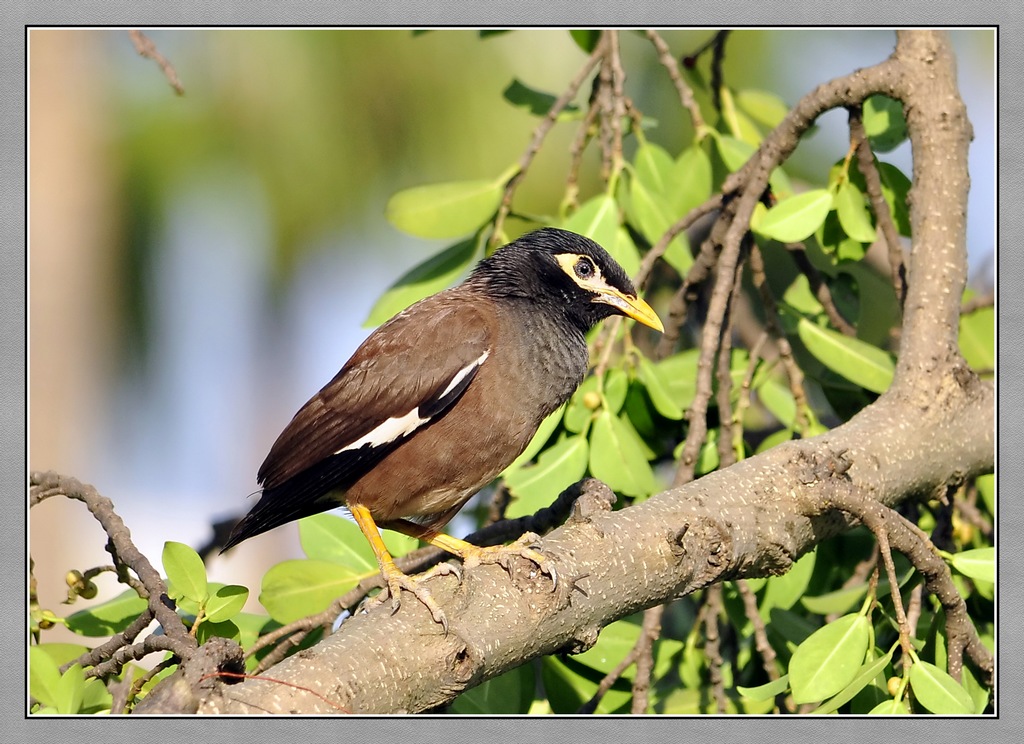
566, 273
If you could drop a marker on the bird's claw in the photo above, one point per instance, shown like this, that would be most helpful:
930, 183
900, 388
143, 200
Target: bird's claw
395, 581
525, 547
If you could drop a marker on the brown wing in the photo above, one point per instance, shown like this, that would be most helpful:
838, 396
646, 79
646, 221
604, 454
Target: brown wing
413, 367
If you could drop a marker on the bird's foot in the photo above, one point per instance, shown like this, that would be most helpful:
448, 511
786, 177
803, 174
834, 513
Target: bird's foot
524, 547
395, 581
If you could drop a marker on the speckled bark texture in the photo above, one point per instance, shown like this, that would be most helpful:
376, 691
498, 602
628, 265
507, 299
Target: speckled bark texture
742, 522
932, 430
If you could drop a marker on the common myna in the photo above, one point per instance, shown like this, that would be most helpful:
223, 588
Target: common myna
443, 397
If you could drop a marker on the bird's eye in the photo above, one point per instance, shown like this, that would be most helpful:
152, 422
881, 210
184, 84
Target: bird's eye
584, 268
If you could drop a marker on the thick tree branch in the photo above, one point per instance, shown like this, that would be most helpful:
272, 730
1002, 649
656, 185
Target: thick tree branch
743, 522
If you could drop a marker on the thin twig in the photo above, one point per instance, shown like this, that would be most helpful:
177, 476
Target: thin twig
584, 134
978, 302
685, 93
146, 48
761, 642
820, 288
124, 553
795, 375
650, 631
712, 644
746, 388
873, 183
539, 133
683, 223
711, 340
727, 453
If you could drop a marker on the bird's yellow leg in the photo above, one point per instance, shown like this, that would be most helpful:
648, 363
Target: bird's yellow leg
473, 555
395, 580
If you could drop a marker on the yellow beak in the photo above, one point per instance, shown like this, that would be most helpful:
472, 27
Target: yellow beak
631, 307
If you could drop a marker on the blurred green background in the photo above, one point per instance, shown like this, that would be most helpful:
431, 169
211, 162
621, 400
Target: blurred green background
200, 265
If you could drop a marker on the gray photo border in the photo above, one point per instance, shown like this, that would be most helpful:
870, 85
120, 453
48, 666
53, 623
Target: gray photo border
13, 360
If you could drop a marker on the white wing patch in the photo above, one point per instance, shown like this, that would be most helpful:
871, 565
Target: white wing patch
402, 426
465, 371
388, 431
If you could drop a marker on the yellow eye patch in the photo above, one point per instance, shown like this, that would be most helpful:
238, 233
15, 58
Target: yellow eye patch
583, 271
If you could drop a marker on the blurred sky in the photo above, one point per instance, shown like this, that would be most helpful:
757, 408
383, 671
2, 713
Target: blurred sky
238, 333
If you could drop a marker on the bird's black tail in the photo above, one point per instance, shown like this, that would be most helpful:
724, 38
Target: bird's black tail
273, 511
298, 497
314, 490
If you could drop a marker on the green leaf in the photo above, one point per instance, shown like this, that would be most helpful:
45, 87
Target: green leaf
334, 539
614, 643
614, 384
895, 191
786, 590
95, 697
436, 273
62, 653
577, 414
938, 692
774, 440
540, 438
834, 240
978, 337
558, 467
445, 210
796, 218
245, 628
295, 589
856, 360
70, 690
185, 572
766, 108
656, 170
657, 389
569, 685
225, 629
884, 123
767, 691
744, 128
862, 679
649, 211
652, 214
693, 177
829, 659
801, 298
979, 564
110, 617
708, 458
836, 602
986, 485
679, 372
43, 676
508, 694
734, 152
226, 602
891, 708
853, 213
618, 459
638, 409
777, 397
537, 102
979, 694
586, 39
597, 219
624, 251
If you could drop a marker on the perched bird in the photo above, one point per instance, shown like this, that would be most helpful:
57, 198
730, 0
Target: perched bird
443, 397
